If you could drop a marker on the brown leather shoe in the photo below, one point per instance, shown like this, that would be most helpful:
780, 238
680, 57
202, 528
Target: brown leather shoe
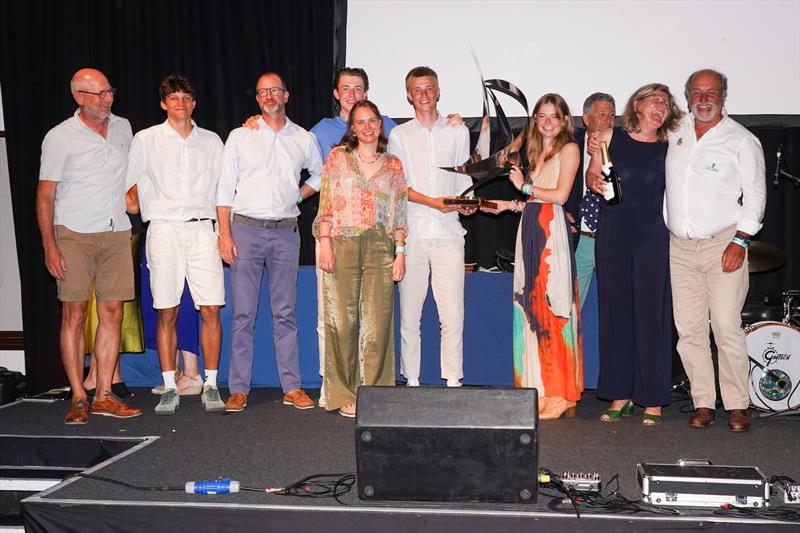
739, 420
78, 412
112, 406
702, 418
237, 401
298, 398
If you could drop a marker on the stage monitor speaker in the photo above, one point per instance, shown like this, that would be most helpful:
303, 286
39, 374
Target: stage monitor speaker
447, 444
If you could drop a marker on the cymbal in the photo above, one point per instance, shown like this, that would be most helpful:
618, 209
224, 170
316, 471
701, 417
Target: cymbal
763, 257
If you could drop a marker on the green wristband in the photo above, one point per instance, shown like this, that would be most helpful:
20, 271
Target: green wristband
744, 243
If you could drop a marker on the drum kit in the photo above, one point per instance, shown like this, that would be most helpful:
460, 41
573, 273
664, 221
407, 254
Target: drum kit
773, 332
773, 347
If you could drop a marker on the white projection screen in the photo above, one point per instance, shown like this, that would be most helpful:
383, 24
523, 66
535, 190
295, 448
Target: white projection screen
578, 47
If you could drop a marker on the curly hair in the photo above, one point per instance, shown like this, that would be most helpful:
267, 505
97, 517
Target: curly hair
175, 83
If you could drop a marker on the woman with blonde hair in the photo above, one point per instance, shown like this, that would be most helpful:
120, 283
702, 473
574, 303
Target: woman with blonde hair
632, 255
547, 337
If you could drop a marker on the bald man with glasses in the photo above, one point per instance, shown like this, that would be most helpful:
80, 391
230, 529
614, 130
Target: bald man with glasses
81, 211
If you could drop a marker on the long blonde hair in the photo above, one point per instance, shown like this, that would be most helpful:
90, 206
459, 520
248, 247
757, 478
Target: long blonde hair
565, 136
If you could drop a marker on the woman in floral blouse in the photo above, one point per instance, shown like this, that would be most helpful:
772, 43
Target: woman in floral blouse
361, 229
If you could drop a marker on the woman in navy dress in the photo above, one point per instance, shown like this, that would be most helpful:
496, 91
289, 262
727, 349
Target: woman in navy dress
632, 255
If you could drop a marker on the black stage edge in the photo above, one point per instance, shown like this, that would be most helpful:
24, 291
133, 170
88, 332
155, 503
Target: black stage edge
270, 444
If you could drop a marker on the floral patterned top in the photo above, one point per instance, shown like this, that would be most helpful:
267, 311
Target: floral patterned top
352, 204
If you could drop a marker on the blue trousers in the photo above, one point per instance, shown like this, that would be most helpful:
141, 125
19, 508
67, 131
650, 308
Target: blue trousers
277, 251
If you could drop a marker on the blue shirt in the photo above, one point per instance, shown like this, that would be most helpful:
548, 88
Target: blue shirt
329, 132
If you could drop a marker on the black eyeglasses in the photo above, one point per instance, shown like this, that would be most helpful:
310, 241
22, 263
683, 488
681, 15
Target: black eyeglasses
274, 91
102, 94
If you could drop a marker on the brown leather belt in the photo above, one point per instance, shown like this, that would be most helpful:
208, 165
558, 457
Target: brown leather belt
589, 234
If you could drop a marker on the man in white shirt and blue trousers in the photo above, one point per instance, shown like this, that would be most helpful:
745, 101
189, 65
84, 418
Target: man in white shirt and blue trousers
435, 242
715, 199
257, 200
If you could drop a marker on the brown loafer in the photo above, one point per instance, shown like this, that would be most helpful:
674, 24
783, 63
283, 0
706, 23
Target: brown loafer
78, 412
702, 418
112, 406
739, 420
298, 398
237, 401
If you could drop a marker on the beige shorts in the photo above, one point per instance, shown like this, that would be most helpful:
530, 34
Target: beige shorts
178, 251
101, 258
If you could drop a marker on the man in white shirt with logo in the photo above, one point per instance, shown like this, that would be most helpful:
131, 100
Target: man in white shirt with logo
80, 209
715, 200
435, 240
174, 169
257, 199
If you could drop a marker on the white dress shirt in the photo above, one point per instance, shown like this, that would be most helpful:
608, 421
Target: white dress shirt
422, 152
90, 171
261, 170
706, 177
176, 178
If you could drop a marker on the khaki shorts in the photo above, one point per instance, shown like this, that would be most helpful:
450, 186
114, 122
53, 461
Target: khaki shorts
101, 258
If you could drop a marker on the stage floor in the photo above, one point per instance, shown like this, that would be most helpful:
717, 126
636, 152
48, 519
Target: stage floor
270, 444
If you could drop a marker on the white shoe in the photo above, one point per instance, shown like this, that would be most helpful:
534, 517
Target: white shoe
453, 383
412, 383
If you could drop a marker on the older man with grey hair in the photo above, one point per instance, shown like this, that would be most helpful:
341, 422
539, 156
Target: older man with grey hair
583, 206
80, 208
715, 200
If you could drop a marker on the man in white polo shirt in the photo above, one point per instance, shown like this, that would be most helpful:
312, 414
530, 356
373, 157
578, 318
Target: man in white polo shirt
80, 209
174, 168
715, 199
435, 241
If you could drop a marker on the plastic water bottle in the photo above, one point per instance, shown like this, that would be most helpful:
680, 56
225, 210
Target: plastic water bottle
212, 486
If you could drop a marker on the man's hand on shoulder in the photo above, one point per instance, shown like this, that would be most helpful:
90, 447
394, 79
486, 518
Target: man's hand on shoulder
252, 123
454, 119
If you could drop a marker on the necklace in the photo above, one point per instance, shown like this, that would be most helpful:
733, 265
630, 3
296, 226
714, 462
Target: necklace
377, 156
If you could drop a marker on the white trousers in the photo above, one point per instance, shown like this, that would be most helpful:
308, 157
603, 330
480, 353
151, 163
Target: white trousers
441, 260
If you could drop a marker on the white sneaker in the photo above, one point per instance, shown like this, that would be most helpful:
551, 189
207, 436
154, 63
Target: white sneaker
453, 383
412, 383
169, 402
211, 400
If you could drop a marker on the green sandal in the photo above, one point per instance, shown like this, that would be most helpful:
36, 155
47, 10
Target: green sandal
614, 415
650, 419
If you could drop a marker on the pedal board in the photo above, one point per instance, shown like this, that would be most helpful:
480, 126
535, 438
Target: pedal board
702, 485
581, 482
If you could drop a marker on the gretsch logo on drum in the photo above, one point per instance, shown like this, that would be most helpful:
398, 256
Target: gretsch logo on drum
770, 354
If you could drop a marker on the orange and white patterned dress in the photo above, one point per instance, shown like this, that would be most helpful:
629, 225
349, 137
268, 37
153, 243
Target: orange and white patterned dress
547, 346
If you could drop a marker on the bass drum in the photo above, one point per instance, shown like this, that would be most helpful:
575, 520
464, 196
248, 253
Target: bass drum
774, 351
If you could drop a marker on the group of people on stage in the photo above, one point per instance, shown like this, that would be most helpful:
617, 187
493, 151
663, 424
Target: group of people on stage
676, 246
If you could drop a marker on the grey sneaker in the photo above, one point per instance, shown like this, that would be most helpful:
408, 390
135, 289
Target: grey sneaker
211, 400
170, 400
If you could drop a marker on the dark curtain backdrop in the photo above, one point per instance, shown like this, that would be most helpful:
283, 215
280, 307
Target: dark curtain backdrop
221, 45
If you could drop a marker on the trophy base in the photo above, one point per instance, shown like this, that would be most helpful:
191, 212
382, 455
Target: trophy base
470, 202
